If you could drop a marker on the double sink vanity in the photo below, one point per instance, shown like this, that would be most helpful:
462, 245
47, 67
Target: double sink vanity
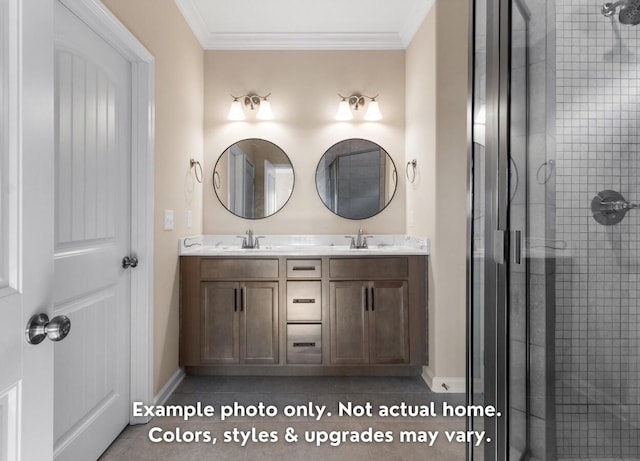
303, 305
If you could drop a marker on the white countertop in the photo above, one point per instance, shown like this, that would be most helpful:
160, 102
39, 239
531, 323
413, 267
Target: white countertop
302, 245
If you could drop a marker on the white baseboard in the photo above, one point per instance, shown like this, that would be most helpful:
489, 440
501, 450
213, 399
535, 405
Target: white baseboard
162, 396
170, 387
444, 385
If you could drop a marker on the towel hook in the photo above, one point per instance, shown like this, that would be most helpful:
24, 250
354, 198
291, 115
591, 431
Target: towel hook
413, 164
548, 165
196, 165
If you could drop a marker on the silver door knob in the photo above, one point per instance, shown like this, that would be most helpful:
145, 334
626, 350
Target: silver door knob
40, 327
128, 262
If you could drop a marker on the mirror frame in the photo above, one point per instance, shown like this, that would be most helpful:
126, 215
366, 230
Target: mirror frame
215, 182
395, 176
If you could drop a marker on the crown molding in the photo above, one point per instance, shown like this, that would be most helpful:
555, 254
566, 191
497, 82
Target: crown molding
414, 21
301, 41
194, 20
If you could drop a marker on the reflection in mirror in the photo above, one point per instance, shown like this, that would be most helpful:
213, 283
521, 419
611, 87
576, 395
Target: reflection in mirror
253, 178
356, 178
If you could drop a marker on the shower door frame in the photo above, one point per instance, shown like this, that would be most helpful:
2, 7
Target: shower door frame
496, 235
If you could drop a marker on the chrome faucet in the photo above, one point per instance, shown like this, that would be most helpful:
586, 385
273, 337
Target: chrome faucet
360, 241
249, 241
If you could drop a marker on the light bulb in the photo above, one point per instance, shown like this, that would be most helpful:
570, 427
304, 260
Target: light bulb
264, 111
235, 111
373, 112
344, 111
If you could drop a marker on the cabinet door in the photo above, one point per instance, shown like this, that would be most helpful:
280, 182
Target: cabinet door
349, 323
259, 325
389, 322
220, 326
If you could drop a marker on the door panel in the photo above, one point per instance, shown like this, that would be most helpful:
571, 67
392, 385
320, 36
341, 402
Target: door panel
349, 323
86, 356
87, 140
9, 423
92, 235
220, 326
10, 297
26, 233
389, 322
259, 333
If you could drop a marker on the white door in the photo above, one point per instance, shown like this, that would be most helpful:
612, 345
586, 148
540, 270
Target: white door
92, 235
26, 234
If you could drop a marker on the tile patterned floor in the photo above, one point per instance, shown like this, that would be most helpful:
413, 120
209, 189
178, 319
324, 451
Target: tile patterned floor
134, 444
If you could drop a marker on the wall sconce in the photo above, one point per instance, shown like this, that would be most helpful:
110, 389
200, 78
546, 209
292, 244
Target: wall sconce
353, 102
253, 101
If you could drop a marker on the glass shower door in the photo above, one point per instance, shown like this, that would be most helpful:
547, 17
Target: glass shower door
518, 226
477, 222
508, 338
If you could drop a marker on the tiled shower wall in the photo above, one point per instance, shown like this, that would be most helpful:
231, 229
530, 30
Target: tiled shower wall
597, 305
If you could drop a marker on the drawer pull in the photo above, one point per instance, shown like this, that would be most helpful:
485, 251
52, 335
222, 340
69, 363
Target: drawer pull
304, 301
304, 344
304, 268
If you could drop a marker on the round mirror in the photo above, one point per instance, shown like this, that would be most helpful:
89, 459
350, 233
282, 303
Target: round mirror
356, 178
253, 178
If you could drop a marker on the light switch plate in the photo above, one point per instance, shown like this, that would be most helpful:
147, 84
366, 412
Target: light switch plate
168, 220
189, 219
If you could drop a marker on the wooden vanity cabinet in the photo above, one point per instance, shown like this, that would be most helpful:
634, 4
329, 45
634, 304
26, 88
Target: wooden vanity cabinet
369, 322
229, 311
330, 315
239, 322
378, 310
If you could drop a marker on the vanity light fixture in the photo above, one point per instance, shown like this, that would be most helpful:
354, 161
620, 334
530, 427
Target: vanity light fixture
350, 103
253, 102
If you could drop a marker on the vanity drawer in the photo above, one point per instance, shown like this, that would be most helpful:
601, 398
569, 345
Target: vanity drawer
364, 268
304, 268
304, 344
304, 301
234, 269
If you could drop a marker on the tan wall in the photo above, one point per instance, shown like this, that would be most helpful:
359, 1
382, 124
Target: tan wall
304, 87
191, 85
179, 60
437, 77
421, 146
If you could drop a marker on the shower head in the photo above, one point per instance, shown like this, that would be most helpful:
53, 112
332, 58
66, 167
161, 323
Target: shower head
629, 13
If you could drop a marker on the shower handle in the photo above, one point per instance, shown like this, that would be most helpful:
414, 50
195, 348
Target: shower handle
609, 207
619, 205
